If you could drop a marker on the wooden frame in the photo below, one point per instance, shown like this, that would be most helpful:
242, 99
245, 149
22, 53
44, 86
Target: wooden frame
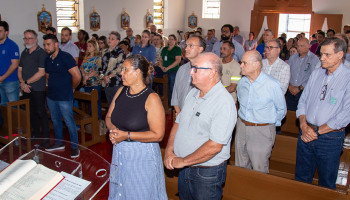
192, 20
44, 20
125, 20
95, 21
149, 19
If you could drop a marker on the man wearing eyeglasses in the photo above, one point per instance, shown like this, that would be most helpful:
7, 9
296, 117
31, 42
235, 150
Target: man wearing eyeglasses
275, 66
200, 140
301, 66
194, 46
262, 107
9, 56
31, 75
324, 112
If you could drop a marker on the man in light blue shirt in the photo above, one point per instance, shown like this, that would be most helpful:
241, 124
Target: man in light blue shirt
324, 112
262, 107
301, 65
200, 140
67, 45
226, 35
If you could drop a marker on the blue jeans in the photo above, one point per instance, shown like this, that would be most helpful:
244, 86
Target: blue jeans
202, 183
59, 109
323, 153
9, 91
99, 89
171, 82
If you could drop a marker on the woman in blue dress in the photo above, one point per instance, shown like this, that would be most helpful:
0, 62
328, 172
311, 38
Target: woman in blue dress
136, 121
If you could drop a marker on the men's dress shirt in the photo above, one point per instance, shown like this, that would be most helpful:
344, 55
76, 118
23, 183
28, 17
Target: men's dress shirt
347, 57
211, 117
261, 49
334, 110
132, 41
261, 101
301, 68
182, 86
279, 70
239, 51
70, 48
210, 43
239, 39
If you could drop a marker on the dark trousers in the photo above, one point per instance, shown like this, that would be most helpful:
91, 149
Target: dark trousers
292, 101
38, 115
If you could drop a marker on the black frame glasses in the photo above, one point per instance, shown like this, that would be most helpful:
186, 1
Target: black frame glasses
270, 47
195, 68
324, 92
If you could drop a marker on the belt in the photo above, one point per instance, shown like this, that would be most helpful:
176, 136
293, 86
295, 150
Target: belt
200, 166
253, 124
314, 127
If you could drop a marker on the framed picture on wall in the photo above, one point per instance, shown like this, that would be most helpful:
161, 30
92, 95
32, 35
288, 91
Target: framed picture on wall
125, 20
95, 21
192, 20
149, 19
44, 20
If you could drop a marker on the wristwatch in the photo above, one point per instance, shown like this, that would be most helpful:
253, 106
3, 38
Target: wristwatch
316, 130
25, 82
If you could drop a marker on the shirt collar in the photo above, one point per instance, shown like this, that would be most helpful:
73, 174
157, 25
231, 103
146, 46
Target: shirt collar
337, 71
210, 93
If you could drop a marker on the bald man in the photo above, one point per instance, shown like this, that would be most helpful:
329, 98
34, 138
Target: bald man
262, 107
200, 140
301, 66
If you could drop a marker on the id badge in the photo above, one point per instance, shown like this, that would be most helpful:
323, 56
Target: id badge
166, 58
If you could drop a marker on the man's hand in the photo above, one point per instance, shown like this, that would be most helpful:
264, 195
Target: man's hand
294, 90
168, 159
25, 87
178, 162
308, 134
1, 79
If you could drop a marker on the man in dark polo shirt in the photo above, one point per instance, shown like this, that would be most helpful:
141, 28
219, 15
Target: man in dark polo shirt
31, 75
63, 77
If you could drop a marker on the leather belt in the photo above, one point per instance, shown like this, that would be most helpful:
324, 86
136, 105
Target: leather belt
200, 166
314, 127
253, 124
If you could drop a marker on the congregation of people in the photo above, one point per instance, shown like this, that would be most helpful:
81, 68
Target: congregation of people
222, 90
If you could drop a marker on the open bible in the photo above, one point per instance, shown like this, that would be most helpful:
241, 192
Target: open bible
25, 179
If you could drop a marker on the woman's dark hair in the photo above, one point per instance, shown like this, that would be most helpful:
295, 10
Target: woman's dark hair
149, 35
86, 35
140, 62
284, 41
172, 35
104, 40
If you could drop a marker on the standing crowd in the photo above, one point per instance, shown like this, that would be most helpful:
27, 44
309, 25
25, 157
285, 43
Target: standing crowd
214, 87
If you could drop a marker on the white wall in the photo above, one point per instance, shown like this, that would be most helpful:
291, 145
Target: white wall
333, 7
234, 12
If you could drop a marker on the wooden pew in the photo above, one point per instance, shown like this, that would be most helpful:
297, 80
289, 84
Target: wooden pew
290, 123
16, 116
82, 117
164, 82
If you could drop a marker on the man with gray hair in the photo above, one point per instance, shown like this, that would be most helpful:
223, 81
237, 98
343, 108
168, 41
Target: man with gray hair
200, 140
267, 36
31, 75
324, 112
262, 107
237, 36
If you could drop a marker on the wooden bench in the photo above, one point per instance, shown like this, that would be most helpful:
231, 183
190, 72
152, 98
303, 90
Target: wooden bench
82, 118
164, 82
16, 116
290, 123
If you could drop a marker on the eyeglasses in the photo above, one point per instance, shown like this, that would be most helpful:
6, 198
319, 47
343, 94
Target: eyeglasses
190, 45
28, 38
195, 68
124, 69
269, 47
324, 92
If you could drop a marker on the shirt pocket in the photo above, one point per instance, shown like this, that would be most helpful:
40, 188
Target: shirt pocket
200, 123
335, 97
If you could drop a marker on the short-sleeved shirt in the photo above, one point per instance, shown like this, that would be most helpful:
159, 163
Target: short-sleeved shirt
231, 73
8, 51
183, 85
71, 48
211, 117
169, 57
60, 80
30, 64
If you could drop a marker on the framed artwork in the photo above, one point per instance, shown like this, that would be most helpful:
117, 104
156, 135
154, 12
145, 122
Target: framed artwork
149, 19
44, 20
95, 21
192, 20
125, 20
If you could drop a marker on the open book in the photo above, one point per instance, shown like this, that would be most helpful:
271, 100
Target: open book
24, 179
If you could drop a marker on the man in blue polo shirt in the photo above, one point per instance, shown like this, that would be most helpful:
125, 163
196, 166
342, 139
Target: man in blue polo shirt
63, 77
9, 59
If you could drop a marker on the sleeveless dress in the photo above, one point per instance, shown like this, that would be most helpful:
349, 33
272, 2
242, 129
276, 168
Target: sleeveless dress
137, 168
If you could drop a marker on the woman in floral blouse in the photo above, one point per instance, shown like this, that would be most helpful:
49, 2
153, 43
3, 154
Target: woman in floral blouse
89, 70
